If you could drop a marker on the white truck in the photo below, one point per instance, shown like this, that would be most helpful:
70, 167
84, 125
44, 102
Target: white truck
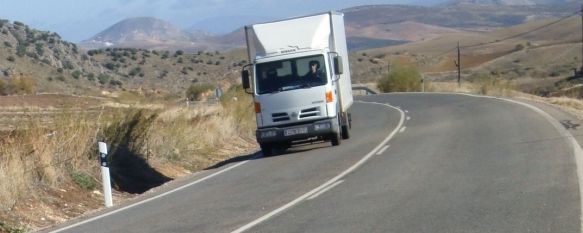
301, 80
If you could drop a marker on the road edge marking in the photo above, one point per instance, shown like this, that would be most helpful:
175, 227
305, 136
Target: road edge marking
331, 181
570, 139
151, 198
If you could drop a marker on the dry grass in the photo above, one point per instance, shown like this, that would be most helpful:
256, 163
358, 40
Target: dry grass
36, 157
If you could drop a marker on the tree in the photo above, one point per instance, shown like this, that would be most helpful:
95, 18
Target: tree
400, 79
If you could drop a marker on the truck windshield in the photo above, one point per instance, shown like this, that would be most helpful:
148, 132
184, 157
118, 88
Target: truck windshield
284, 75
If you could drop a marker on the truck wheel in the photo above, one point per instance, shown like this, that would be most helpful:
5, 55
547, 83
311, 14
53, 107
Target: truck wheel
266, 149
336, 136
336, 139
345, 132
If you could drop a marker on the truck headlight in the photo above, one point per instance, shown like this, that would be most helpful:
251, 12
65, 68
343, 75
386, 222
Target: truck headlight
321, 126
267, 134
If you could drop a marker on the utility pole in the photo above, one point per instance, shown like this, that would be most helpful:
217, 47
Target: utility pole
458, 64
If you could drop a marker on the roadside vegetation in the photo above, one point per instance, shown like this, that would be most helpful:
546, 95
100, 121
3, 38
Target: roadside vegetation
401, 78
53, 166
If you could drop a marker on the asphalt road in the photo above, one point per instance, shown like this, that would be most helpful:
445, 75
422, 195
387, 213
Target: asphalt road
439, 163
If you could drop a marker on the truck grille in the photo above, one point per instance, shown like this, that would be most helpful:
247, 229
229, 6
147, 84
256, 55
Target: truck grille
280, 116
309, 112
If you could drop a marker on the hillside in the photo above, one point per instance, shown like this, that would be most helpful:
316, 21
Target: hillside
55, 65
551, 51
367, 26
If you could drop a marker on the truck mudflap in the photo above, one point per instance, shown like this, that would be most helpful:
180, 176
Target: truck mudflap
322, 128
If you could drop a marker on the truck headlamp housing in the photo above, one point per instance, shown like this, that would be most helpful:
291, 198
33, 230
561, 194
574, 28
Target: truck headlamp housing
322, 126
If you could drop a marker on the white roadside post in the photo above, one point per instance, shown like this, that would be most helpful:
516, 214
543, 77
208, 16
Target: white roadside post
105, 174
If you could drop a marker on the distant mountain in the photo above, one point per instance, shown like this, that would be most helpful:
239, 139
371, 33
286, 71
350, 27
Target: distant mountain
224, 24
373, 25
460, 14
513, 2
148, 33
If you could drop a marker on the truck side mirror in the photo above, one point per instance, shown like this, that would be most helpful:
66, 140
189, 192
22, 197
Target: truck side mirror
338, 65
245, 79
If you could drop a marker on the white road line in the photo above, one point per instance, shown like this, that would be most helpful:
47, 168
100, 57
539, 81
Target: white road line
329, 182
408, 118
151, 198
383, 150
406, 111
577, 151
325, 190
403, 129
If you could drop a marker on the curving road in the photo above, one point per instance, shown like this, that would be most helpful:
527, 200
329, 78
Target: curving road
426, 163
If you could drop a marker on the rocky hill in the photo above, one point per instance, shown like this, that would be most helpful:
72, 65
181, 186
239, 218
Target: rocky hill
48, 64
367, 26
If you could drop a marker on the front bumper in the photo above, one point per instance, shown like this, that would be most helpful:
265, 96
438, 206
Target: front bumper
323, 128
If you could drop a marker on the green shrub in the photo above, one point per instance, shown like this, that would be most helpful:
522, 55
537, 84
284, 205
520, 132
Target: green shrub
91, 77
39, 49
400, 79
103, 78
84, 180
11, 59
7, 44
76, 74
4, 227
195, 91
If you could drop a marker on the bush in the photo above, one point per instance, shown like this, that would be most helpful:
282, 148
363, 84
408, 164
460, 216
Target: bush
114, 82
91, 77
400, 78
39, 49
84, 180
179, 53
21, 86
7, 44
68, 65
2, 88
110, 65
11, 59
135, 71
76, 74
103, 78
195, 91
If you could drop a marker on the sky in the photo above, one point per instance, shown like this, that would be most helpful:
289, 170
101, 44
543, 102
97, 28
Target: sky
78, 20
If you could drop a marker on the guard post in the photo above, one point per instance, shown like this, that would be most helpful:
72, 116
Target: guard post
105, 174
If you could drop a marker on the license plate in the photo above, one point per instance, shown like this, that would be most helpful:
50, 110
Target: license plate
294, 131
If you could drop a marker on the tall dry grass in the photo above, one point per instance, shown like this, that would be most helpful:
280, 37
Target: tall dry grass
39, 155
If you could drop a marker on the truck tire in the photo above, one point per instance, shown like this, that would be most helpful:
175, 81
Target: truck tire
336, 136
266, 149
345, 132
336, 139
345, 122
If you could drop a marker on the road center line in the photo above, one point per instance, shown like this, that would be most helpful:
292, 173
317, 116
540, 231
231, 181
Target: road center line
325, 190
383, 150
331, 181
403, 129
